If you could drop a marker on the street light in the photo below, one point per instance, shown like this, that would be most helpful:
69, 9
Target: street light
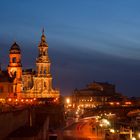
133, 138
139, 135
67, 100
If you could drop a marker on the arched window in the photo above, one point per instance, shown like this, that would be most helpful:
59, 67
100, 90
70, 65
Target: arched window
14, 59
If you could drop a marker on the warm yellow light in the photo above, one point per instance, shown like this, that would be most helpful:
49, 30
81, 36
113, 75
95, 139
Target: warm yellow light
67, 100
133, 138
16, 100
105, 122
101, 125
138, 135
27, 100
111, 103
21, 100
128, 103
112, 130
9, 99
118, 103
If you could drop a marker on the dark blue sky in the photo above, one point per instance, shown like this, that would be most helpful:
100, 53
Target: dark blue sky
89, 40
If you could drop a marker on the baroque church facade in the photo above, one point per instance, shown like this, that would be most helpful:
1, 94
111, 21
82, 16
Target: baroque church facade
28, 83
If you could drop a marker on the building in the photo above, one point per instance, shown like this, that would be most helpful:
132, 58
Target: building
39, 84
15, 69
95, 94
19, 83
6, 85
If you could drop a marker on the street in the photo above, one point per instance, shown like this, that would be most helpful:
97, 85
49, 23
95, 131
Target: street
82, 130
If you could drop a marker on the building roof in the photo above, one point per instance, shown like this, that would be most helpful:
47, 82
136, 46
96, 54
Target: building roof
15, 48
97, 89
28, 71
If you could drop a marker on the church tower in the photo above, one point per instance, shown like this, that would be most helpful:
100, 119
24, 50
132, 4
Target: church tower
15, 67
43, 61
43, 64
42, 80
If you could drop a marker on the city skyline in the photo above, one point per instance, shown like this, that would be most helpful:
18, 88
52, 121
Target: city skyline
88, 41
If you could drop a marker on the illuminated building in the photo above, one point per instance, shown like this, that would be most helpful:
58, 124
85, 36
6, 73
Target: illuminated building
15, 68
6, 84
96, 93
42, 79
19, 83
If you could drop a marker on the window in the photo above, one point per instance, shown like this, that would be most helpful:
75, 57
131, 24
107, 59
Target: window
44, 84
45, 71
1, 89
44, 53
14, 59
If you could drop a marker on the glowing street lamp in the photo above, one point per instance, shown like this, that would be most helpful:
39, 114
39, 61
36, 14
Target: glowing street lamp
139, 135
133, 138
9, 99
67, 100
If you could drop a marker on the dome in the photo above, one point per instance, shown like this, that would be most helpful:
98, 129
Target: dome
15, 48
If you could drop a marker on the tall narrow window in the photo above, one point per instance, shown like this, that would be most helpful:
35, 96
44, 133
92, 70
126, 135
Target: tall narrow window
1, 89
14, 59
44, 84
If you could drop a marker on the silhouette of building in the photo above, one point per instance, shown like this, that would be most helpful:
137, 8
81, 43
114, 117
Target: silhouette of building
95, 94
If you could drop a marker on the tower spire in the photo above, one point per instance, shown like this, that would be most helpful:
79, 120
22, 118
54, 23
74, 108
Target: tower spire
43, 37
43, 31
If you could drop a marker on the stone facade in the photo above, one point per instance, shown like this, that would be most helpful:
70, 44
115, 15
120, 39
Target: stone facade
40, 83
28, 83
95, 94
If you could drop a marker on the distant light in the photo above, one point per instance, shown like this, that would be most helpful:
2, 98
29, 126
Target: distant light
67, 100
138, 135
101, 125
128, 103
16, 100
21, 100
111, 103
118, 103
9, 99
133, 138
105, 122
112, 130
27, 100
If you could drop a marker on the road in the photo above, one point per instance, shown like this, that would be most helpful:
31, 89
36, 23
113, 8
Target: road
82, 130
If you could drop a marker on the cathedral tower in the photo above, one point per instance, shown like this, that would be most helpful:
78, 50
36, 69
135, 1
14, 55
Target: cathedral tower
15, 67
43, 61
42, 80
43, 65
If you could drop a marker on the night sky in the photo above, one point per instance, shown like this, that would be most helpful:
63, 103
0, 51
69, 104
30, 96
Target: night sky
89, 40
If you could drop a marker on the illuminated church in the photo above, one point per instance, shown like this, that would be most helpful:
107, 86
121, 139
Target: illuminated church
19, 83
